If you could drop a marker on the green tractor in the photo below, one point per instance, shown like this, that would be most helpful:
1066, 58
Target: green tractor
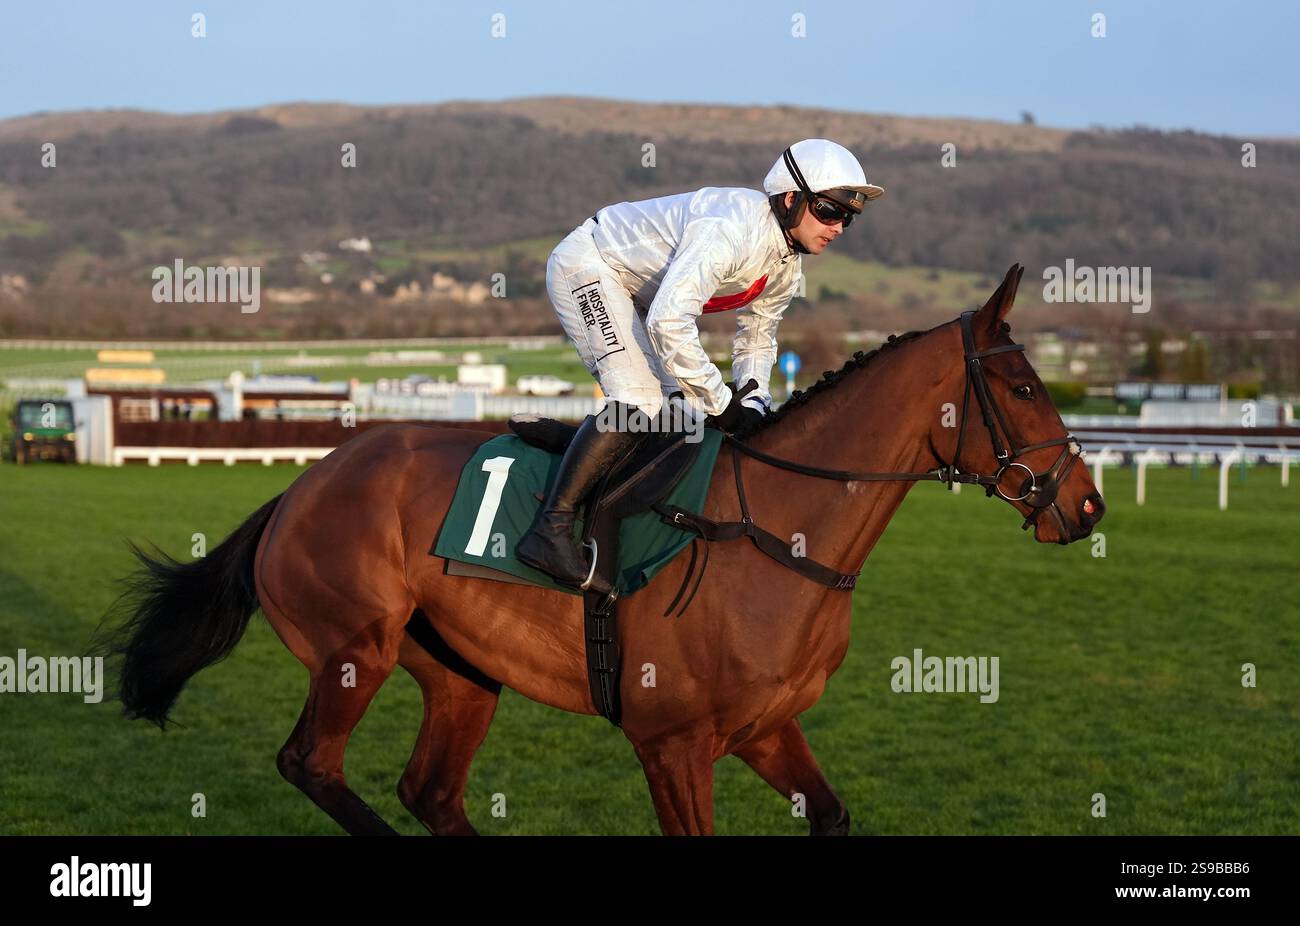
44, 429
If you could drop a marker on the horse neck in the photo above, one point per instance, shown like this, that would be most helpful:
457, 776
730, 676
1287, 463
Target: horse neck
877, 419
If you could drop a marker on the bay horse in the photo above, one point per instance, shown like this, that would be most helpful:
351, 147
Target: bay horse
340, 565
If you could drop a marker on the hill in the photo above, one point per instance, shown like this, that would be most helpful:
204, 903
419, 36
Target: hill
132, 189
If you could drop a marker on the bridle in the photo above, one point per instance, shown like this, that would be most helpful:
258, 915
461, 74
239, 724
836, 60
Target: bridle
1037, 490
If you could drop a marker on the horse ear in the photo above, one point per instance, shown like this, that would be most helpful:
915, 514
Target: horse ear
995, 310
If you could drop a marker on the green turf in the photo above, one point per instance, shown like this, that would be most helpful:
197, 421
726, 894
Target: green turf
1119, 675
194, 366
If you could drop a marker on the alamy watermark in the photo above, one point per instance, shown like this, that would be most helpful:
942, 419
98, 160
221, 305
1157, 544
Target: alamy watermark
1099, 284
672, 417
53, 675
179, 283
76, 878
960, 674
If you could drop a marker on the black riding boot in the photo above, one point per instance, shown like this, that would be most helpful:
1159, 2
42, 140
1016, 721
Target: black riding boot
550, 546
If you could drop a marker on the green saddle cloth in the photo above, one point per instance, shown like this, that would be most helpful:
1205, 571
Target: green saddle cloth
495, 505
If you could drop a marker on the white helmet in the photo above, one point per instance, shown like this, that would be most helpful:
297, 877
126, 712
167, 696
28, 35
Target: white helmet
816, 165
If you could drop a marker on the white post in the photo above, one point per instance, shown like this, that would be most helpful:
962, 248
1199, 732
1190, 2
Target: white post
1223, 478
1096, 470
1143, 459
236, 411
1286, 466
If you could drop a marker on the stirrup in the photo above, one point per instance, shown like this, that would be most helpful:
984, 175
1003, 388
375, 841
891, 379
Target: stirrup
591, 574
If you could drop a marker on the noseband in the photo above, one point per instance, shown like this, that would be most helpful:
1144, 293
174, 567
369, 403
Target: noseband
1037, 490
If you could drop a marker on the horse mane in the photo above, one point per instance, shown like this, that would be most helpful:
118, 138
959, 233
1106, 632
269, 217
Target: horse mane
830, 379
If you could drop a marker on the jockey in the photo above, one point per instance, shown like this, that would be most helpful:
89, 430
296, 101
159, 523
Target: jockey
629, 283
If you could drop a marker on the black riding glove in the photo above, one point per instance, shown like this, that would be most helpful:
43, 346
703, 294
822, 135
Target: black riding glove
734, 415
750, 417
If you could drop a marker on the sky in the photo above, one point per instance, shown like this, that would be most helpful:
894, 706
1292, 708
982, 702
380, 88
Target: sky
1211, 66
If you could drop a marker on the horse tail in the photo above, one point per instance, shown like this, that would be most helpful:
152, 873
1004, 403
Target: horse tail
182, 618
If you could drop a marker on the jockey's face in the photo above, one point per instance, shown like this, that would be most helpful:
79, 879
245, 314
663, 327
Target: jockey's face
811, 233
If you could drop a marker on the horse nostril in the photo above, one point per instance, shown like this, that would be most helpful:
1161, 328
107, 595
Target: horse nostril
1093, 509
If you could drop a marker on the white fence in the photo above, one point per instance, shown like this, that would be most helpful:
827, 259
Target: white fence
155, 456
463, 405
517, 342
1158, 448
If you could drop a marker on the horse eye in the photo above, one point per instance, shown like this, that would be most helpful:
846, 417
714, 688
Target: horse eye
1024, 392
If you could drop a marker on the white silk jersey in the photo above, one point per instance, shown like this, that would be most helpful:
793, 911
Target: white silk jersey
712, 250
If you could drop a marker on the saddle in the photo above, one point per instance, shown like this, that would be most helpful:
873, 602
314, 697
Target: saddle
642, 480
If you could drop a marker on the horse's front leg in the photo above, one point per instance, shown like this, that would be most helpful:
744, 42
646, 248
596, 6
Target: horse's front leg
679, 770
785, 761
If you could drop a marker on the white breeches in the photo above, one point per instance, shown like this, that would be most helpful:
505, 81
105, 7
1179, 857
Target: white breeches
600, 319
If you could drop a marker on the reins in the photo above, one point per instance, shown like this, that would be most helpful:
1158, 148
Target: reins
1038, 495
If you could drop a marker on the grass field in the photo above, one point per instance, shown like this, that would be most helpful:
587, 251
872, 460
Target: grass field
345, 361
1119, 675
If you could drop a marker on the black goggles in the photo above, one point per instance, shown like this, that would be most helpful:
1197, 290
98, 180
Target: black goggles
829, 211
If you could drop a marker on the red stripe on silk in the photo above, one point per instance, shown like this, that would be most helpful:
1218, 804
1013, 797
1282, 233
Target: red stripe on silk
724, 303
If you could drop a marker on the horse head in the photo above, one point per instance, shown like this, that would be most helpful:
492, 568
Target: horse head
1005, 427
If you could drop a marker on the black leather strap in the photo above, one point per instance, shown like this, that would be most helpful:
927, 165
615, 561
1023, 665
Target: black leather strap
766, 541
844, 475
690, 571
604, 655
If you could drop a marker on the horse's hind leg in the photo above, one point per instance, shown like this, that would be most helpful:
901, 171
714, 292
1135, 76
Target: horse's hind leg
341, 690
458, 709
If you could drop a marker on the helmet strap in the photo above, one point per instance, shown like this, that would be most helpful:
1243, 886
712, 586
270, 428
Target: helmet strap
789, 218
802, 197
